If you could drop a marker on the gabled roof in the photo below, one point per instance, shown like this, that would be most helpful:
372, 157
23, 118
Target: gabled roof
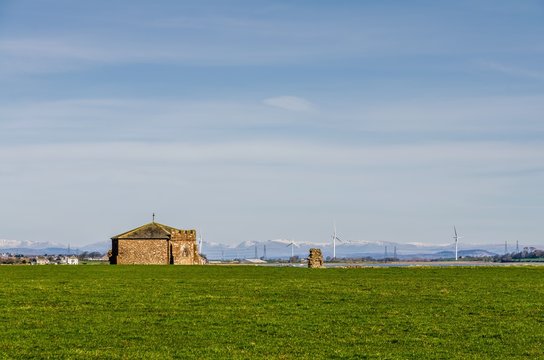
150, 231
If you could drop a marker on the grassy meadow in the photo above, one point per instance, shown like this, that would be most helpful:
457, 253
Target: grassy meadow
161, 312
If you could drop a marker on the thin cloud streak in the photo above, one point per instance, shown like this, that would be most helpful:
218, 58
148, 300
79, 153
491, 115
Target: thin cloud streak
292, 103
243, 39
478, 115
513, 70
468, 155
498, 113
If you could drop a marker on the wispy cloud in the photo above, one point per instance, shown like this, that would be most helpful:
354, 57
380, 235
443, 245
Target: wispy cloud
43, 48
471, 157
292, 103
480, 114
513, 70
54, 54
255, 34
142, 116
161, 119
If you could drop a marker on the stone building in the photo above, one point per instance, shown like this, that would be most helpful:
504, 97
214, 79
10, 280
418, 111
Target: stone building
155, 243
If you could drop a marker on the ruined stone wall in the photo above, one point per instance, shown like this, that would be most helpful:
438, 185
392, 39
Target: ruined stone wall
146, 252
315, 260
183, 235
184, 250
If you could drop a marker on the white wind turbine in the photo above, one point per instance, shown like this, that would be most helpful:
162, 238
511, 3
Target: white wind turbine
200, 243
334, 238
292, 244
456, 238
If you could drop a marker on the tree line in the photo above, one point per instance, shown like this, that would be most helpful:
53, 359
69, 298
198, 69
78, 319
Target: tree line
528, 253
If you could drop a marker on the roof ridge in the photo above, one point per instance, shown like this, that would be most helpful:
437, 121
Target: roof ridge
129, 231
167, 229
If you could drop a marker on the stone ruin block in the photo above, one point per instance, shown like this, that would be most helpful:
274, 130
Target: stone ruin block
315, 260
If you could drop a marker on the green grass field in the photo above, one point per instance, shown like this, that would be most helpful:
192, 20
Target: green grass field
258, 312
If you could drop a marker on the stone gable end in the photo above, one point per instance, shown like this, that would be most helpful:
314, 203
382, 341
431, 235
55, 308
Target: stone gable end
142, 252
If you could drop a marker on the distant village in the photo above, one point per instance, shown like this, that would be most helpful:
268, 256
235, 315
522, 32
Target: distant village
60, 259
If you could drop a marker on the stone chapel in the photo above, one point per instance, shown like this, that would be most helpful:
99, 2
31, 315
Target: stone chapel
154, 244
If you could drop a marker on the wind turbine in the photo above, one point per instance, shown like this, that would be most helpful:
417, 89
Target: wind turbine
292, 245
200, 243
456, 238
334, 238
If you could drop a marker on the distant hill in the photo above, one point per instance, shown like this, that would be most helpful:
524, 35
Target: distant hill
280, 249
26, 244
33, 248
101, 246
27, 247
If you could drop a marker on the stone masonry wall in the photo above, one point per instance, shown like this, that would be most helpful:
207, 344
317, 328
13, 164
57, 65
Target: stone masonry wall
143, 252
183, 235
184, 250
315, 260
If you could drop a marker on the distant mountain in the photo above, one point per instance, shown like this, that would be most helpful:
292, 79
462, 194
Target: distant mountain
450, 254
32, 248
27, 247
27, 244
281, 249
101, 246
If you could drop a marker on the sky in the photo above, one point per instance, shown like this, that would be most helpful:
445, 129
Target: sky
258, 120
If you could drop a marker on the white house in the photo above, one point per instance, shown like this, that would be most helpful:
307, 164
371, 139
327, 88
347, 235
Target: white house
40, 260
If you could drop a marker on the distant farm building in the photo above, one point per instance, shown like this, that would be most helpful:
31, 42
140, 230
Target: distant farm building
39, 260
155, 244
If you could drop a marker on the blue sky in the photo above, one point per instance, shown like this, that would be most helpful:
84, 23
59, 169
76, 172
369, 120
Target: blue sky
255, 120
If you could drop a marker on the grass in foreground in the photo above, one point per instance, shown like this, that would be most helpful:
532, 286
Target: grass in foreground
257, 312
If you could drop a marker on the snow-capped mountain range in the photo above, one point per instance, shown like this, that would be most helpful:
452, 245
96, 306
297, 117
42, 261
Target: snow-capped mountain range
282, 249
27, 247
